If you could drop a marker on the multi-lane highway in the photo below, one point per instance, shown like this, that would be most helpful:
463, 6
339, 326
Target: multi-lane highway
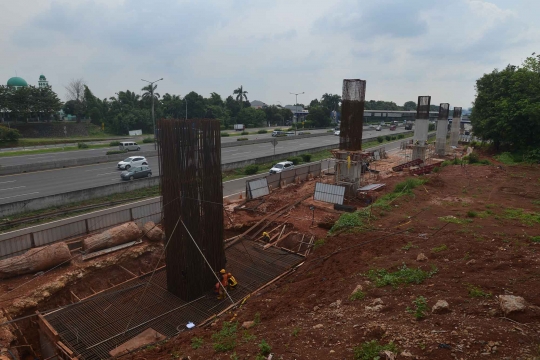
49, 182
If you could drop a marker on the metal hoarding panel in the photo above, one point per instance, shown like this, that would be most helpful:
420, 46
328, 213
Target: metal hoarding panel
287, 177
48, 236
332, 194
273, 180
145, 213
258, 188
15, 245
109, 220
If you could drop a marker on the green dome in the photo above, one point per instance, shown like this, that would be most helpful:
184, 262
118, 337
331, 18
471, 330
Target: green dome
17, 81
42, 77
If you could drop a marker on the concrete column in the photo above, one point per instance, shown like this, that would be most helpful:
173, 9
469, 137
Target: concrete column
442, 131
421, 127
454, 131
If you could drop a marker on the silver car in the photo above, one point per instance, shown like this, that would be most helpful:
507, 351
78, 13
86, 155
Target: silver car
131, 162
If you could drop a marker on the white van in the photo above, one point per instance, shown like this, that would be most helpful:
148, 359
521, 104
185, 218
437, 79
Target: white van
129, 145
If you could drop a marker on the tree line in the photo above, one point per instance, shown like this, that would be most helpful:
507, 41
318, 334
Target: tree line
28, 104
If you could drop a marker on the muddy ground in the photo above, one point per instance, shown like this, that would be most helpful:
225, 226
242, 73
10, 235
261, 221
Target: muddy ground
465, 220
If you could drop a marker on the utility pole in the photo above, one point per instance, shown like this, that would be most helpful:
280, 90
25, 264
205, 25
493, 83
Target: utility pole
153, 119
296, 108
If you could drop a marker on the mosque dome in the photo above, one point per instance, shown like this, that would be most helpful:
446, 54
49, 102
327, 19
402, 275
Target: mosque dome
42, 77
17, 81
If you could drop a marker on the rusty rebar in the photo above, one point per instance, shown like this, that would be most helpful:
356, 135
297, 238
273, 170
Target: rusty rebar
352, 114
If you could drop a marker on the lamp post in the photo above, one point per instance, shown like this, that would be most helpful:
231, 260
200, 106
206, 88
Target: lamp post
296, 107
152, 94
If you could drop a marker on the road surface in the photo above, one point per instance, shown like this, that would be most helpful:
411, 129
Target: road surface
56, 181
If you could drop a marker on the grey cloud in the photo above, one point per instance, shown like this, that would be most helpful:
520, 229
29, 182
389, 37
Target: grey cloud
286, 35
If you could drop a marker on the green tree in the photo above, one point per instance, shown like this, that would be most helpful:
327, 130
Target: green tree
331, 101
409, 106
319, 116
196, 106
240, 96
147, 95
506, 109
251, 117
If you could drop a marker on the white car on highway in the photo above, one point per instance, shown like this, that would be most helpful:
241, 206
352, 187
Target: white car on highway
132, 161
281, 166
337, 132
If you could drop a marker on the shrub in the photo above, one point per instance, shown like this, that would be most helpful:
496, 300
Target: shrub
148, 140
387, 137
306, 157
244, 133
477, 292
420, 308
242, 139
471, 214
473, 158
251, 169
357, 295
113, 152
225, 339
278, 129
265, 348
431, 127
394, 137
295, 160
8, 134
82, 145
225, 134
196, 342
401, 136
114, 143
371, 349
257, 318
351, 220
262, 131
436, 169
380, 139
318, 243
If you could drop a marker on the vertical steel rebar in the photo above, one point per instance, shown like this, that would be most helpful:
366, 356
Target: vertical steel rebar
352, 114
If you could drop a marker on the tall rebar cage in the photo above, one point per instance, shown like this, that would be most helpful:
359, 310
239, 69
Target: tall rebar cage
190, 167
454, 131
442, 128
352, 114
422, 109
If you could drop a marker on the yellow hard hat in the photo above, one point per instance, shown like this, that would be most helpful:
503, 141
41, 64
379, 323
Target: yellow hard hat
223, 271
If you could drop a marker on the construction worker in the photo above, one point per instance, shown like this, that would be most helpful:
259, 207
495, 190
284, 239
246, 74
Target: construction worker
232, 282
266, 237
223, 283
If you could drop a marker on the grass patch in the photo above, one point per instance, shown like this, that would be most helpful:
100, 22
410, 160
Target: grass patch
409, 246
264, 348
370, 350
420, 308
403, 188
196, 342
438, 249
351, 220
471, 214
509, 158
225, 339
295, 332
318, 243
477, 292
248, 337
403, 275
454, 220
524, 217
535, 239
52, 150
257, 318
357, 295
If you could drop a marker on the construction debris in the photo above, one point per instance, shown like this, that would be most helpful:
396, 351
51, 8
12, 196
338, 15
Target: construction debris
117, 235
34, 260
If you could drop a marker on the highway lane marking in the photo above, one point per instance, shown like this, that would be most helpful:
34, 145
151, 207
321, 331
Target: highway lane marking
5, 182
17, 187
107, 168
114, 172
37, 192
241, 153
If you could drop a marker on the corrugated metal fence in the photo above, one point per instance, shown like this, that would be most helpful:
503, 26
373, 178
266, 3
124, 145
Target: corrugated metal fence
19, 241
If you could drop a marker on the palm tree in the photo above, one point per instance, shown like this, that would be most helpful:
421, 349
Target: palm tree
148, 92
240, 95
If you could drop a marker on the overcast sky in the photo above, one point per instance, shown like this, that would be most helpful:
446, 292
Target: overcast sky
402, 48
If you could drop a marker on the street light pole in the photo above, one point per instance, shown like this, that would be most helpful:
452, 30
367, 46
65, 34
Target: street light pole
153, 119
296, 107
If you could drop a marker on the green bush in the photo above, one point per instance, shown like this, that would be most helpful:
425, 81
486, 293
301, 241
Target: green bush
82, 145
290, 129
380, 139
420, 308
222, 127
295, 160
403, 275
370, 350
394, 137
306, 157
114, 143
225, 134
388, 138
401, 136
242, 139
262, 131
265, 348
431, 127
251, 169
8, 134
148, 140
473, 158
113, 152
196, 342
357, 295
225, 339
278, 129
244, 133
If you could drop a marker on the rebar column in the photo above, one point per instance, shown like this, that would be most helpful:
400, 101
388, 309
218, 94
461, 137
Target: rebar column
421, 126
190, 167
442, 129
454, 131
352, 114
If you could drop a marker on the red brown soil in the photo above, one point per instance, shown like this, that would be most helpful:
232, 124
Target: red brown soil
505, 262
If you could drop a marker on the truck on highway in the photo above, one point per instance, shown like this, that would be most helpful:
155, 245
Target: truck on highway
408, 125
239, 127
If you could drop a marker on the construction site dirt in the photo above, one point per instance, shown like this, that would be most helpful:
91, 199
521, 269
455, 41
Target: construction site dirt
473, 231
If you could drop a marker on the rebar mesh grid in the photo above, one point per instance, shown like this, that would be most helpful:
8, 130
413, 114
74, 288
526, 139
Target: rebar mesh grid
93, 327
444, 111
422, 109
457, 112
352, 114
190, 165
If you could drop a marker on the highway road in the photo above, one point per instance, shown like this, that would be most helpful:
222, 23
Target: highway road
49, 182
76, 154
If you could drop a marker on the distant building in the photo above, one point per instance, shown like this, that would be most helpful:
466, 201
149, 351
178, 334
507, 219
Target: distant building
299, 113
42, 83
18, 82
258, 104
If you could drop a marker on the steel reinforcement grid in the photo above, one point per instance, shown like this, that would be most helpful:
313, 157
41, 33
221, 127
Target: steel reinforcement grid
93, 327
422, 109
352, 114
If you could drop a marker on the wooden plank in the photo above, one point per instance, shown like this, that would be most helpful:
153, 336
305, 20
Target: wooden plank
47, 329
278, 240
65, 349
148, 336
109, 250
